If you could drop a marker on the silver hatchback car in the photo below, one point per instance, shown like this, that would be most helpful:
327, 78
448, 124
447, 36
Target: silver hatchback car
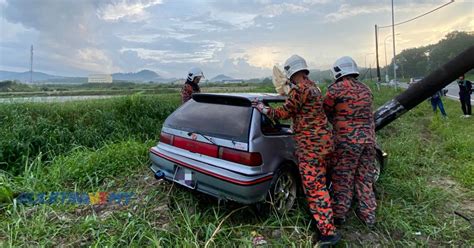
219, 145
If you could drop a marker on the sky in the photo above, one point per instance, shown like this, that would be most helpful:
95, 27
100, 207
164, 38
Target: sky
242, 39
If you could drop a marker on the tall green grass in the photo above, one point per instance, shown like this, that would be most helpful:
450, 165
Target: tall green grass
44, 130
429, 176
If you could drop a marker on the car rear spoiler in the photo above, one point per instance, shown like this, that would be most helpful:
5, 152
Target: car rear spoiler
222, 99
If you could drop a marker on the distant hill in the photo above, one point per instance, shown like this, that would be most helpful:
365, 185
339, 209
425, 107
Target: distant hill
39, 77
221, 78
141, 76
25, 76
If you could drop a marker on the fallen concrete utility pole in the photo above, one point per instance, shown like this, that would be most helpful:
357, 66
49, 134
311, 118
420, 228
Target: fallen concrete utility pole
425, 88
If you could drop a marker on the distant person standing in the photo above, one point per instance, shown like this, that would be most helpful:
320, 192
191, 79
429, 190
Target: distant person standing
191, 85
465, 91
436, 102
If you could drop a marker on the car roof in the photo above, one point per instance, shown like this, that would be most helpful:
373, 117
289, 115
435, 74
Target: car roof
248, 96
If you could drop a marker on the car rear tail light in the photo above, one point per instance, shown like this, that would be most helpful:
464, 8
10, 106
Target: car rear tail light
240, 157
166, 138
196, 146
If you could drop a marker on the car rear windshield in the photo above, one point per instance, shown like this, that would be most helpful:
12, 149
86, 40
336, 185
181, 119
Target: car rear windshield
216, 120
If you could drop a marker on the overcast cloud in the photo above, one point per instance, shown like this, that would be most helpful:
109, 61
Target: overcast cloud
243, 39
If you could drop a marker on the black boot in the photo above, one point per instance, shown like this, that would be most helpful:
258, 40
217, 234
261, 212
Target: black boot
329, 240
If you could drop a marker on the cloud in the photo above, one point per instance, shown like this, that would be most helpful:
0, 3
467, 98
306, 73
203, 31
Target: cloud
260, 56
314, 2
240, 38
94, 60
236, 20
278, 9
349, 9
346, 11
202, 52
240, 68
131, 10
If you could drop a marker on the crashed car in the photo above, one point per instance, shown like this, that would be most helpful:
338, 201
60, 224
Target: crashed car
219, 145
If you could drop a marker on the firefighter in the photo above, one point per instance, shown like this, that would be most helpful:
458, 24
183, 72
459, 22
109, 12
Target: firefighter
313, 137
465, 91
191, 85
348, 105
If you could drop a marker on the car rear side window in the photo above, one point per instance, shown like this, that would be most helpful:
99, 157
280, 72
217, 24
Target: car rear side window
216, 120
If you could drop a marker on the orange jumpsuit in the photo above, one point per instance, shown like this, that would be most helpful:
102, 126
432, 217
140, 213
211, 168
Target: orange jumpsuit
187, 91
313, 142
348, 105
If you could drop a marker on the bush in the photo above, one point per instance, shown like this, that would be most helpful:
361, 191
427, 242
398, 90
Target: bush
29, 130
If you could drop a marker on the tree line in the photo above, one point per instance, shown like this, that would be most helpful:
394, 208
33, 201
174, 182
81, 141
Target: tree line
420, 61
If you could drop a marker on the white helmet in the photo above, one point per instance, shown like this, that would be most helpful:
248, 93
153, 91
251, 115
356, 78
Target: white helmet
295, 64
194, 72
344, 66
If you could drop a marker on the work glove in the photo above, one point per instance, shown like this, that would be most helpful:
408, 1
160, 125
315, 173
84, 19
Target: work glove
260, 107
280, 81
263, 109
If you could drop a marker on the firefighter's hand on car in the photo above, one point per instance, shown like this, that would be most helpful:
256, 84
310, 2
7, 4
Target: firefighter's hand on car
255, 102
261, 107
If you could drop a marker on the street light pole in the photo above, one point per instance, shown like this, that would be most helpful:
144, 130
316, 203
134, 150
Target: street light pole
385, 48
377, 54
394, 54
365, 61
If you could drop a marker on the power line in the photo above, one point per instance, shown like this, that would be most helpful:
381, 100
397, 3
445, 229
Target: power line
414, 18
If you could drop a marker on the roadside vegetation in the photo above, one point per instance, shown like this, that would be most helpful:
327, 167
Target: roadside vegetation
102, 145
15, 89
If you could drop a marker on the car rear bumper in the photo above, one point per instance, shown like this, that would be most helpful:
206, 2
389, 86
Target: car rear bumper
212, 180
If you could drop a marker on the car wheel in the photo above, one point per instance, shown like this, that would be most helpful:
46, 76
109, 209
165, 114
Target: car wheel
378, 167
380, 162
283, 191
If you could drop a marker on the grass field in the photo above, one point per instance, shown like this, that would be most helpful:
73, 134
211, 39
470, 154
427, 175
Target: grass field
9, 89
102, 145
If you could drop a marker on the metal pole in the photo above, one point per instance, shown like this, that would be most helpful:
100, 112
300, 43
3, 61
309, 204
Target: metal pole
385, 48
370, 71
386, 66
31, 65
394, 54
365, 60
377, 54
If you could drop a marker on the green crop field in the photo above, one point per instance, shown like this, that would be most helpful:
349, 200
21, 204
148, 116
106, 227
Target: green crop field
102, 145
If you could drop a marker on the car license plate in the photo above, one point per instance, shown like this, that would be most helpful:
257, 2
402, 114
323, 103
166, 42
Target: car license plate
185, 177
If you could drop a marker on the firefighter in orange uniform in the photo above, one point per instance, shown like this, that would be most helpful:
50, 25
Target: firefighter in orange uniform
191, 85
348, 105
313, 139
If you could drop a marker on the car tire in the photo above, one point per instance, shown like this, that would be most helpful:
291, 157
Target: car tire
379, 165
283, 192
380, 161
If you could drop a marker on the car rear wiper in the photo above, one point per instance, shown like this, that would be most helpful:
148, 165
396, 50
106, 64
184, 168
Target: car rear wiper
202, 135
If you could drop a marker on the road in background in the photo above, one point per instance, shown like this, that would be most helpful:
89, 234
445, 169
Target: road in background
453, 90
